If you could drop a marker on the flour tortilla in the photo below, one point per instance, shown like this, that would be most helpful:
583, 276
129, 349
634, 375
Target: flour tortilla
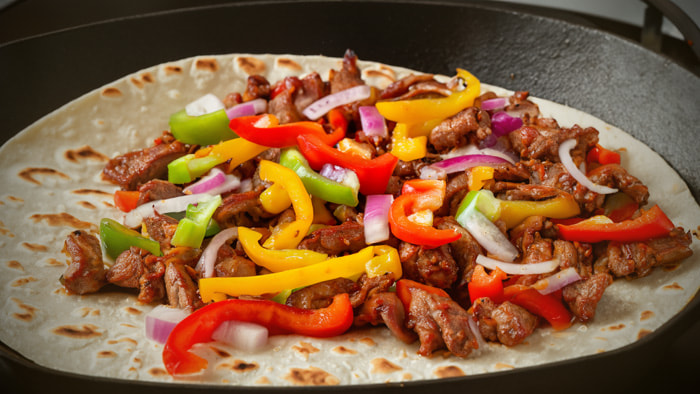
51, 186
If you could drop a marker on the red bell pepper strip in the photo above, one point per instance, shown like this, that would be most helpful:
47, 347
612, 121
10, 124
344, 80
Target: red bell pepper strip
546, 306
486, 285
602, 156
265, 130
419, 194
373, 174
125, 201
619, 207
279, 319
652, 223
403, 291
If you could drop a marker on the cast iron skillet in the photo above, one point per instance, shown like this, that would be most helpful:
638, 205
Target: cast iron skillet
614, 79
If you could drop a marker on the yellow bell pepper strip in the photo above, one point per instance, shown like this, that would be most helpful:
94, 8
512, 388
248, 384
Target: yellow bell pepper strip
423, 110
478, 177
514, 212
275, 199
276, 260
192, 228
322, 215
190, 167
288, 235
348, 145
407, 148
317, 185
374, 260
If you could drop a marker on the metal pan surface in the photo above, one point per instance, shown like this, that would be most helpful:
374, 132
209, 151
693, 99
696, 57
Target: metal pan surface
606, 76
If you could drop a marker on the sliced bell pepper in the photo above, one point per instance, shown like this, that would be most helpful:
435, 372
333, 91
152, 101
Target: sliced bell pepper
423, 110
490, 285
478, 176
117, 238
192, 228
373, 174
276, 260
125, 201
207, 129
514, 212
603, 156
348, 145
619, 207
275, 199
266, 130
417, 195
407, 148
546, 306
349, 266
652, 223
322, 215
288, 235
318, 185
199, 326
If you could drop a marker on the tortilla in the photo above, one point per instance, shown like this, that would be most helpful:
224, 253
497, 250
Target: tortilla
52, 186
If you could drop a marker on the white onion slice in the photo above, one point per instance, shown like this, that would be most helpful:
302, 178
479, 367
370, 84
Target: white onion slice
474, 327
376, 218
321, 106
241, 335
161, 320
204, 105
428, 172
473, 150
249, 108
518, 269
565, 157
135, 217
488, 235
206, 262
555, 282
373, 123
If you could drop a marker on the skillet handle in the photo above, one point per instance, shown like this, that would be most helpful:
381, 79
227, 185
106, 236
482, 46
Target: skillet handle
653, 16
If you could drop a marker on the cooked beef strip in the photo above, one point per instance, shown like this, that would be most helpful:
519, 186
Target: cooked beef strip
233, 265
542, 143
127, 268
577, 255
348, 236
583, 296
348, 76
256, 87
151, 283
385, 308
469, 126
157, 189
369, 286
320, 295
464, 251
426, 89
161, 228
521, 107
311, 89
506, 323
435, 267
86, 271
241, 209
614, 175
439, 322
282, 106
135, 168
400, 87
181, 289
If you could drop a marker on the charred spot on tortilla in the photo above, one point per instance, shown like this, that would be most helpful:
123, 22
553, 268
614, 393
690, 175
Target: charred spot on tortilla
210, 65
673, 286
287, 63
239, 366
312, 376
646, 315
126, 340
448, 371
84, 331
86, 205
132, 311
15, 199
500, 365
23, 281
5, 231
35, 247
220, 352
250, 65
111, 92
344, 350
305, 349
92, 191
14, 264
157, 372
172, 69
382, 365
29, 311
62, 219
55, 263
85, 152
643, 332
28, 174
106, 354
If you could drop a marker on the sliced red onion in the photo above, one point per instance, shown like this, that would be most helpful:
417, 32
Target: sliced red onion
461, 163
494, 104
565, 157
376, 218
495, 150
161, 320
135, 217
488, 235
206, 262
321, 106
231, 182
249, 108
373, 123
241, 335
215, 178
502, 124
204, 105
333, 172
518, 269
555, 282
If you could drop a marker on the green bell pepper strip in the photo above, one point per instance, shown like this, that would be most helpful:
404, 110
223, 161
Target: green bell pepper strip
318, 185
207, 129
213, 227
117, 238
189, 167
191, 230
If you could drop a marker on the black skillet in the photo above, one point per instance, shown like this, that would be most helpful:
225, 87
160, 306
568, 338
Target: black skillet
617, 80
